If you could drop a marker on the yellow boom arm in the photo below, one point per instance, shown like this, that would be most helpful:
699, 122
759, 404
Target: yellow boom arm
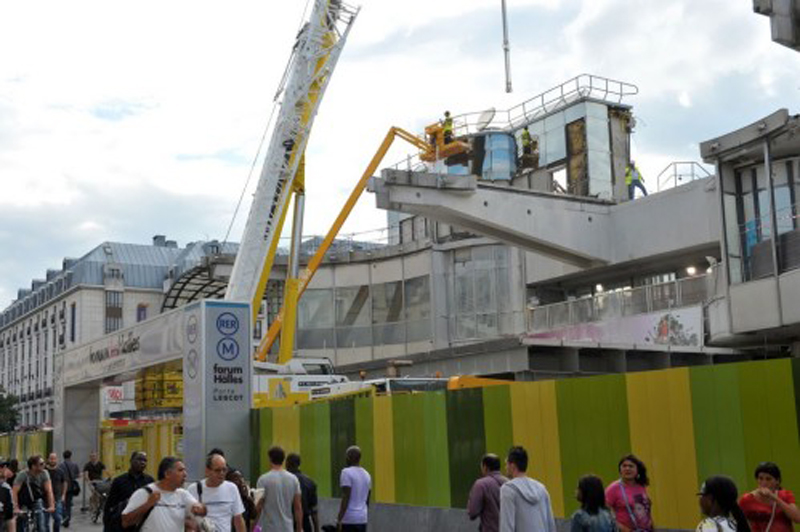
308, 273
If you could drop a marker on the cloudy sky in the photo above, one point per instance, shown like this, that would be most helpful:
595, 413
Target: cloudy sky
119, 121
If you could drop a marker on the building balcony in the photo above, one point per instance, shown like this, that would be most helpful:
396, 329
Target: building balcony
659, 316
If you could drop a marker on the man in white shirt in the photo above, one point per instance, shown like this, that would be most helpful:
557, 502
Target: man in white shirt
219, 496
163, 506
356, 486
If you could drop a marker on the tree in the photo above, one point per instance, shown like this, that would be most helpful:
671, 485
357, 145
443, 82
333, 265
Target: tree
8, 414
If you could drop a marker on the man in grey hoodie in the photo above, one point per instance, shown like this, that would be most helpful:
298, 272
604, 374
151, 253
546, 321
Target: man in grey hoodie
524, 502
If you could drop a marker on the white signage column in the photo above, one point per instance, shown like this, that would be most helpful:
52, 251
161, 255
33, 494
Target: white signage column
217, 379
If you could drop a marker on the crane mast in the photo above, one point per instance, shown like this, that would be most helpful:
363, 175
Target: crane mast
307, 75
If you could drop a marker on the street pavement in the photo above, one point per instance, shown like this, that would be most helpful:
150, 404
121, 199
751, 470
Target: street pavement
81, 521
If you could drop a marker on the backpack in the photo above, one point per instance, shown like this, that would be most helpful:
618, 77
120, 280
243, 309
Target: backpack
29, 493
112, 521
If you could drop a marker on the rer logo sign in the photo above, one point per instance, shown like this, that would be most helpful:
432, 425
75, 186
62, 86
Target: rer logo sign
227, 324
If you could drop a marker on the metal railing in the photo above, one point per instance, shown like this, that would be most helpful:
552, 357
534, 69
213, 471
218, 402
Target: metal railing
679, 173
551, 100
620, 303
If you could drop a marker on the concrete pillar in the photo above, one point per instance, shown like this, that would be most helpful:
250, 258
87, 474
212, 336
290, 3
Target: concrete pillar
618, 361
570, 359
662, 360
796, 350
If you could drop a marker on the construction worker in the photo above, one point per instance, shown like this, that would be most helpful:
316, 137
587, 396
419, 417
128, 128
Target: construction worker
527, 142
447, 128
634, 180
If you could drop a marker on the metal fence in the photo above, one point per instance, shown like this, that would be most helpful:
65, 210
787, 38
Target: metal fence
619, 303
679, 173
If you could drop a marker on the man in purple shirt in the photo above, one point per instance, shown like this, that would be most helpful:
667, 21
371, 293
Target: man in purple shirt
484, 498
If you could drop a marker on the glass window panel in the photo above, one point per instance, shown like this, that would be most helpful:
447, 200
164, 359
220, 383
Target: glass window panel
387, 302
390, 333
315, 309
353, 337
556, 148
419, 330
783, 209
485, 300
486, 325
465, 326
418, 298
458, 169
352, 306
465, 298
314, 338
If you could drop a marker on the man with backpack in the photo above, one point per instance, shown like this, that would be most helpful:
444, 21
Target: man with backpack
162, 506
308, 494
220, 496
71, 473
121, 490
33, 491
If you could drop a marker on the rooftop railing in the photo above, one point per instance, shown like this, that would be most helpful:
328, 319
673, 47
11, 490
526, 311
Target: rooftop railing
679, 173
580, 87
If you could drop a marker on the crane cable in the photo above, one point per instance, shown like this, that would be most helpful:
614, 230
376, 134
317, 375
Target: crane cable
258, 152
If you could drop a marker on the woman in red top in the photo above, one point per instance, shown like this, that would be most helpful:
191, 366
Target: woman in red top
769, 508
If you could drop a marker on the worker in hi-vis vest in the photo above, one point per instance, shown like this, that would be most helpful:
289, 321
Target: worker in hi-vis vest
634, 180
527, 142
447, 128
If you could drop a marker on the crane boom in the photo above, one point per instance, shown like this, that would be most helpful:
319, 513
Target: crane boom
308, 73
308, 273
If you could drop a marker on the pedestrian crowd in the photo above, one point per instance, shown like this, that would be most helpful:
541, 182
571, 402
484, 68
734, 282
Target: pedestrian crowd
520, 503
285, 499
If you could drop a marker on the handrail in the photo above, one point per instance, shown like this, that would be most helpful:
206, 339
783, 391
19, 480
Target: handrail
615, 304
680, 170
556, 98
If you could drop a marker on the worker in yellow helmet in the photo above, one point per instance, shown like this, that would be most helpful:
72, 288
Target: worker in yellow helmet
447, 128
634, 180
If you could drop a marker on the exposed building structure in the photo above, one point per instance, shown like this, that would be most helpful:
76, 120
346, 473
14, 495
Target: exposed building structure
784, 18
500, 262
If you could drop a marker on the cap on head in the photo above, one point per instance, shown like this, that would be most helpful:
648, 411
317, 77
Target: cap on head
447, 113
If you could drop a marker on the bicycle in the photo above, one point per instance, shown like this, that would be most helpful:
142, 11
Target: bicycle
32, 519
97, 502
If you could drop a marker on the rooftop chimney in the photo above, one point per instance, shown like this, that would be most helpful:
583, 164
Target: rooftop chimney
160, 241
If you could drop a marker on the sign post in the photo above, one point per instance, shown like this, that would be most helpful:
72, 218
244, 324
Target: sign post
217, 379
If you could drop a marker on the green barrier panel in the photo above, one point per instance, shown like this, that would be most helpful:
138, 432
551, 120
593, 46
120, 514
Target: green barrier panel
365, 434
717, 421
497, 420
315, 446
466, 441
343, 435
593, 430
437, 464
409, 449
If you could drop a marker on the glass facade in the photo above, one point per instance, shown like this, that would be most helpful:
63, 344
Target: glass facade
394, 312
500, 160
481, 293
749, 225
